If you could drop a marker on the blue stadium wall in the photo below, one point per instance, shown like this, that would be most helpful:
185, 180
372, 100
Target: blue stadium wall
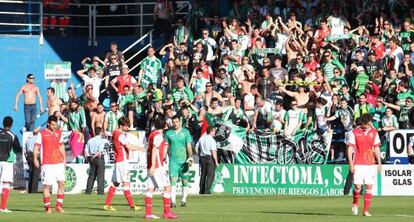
21, 55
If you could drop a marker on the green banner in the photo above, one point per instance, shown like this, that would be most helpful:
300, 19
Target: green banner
269, 179
58, 70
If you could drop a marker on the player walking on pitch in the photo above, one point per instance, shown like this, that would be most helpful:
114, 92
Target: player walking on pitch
49, 143
180, 158
157, 174
9, 146
365, 142
121, 169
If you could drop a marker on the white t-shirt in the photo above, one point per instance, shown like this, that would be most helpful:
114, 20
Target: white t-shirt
337, 25
264, 110
320, 117
280, 44
95, 82
249, 100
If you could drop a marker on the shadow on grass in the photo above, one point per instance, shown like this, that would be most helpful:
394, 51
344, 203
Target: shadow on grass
300, 213
104, 215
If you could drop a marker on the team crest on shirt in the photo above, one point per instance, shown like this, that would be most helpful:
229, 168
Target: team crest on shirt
371, 135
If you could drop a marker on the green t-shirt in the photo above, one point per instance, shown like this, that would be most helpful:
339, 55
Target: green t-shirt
405, 39
362, 80
152, 71
404, 95
328, 68
178, 141
378, 114
177, 95
340, 81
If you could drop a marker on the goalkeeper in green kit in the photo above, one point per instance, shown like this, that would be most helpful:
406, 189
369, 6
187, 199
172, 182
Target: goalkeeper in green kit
180, 158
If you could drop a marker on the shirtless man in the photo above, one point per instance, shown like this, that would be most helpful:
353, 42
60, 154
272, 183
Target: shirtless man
209, 94
91, 102
98, 118
30, 91
53, 103
301, 96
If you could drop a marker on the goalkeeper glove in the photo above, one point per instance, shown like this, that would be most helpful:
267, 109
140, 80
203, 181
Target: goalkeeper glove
190, 161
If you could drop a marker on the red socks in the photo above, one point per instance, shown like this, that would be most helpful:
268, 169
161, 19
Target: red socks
367, 201
148, 204
128, 196
110, 195
60, 198
46, 201
167, 202
356, 196
4, 196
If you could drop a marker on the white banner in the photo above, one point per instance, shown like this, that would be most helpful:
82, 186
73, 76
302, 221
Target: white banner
58, 70
77, 177
397, 180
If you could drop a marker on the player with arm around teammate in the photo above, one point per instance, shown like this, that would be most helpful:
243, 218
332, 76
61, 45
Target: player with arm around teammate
120, 174
365, 142
157, 172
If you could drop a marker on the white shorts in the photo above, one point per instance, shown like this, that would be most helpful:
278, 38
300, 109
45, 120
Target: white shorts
52, 173
121, 172
6, 172
160, 179
365, 174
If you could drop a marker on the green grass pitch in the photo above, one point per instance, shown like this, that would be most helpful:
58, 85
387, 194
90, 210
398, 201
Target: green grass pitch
27, 208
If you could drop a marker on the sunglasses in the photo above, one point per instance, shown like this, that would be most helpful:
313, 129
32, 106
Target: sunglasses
31, 78
205, 33
326, 55
114, 106
113, 58
208, 85
294, 104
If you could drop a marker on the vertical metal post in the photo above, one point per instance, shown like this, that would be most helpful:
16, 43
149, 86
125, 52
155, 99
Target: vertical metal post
95, 43
41, 23
29, 9
141, 11
150, 38
90, 25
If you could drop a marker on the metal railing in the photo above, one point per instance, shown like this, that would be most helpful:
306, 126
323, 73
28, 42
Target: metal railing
26, 17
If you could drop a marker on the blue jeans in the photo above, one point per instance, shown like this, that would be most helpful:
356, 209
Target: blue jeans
30, 111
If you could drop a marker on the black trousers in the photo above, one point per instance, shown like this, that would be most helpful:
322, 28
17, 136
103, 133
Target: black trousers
96, 171
34, 173
208, 169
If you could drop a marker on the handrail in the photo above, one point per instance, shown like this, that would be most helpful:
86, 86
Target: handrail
136, 42
137, 53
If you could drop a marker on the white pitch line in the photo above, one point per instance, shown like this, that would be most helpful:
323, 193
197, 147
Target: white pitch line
238, 213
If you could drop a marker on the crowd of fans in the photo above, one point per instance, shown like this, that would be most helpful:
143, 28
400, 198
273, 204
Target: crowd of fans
283, 66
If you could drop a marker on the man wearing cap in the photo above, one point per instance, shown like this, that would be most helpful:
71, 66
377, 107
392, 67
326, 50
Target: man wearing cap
30, 91
122, 80
374, 64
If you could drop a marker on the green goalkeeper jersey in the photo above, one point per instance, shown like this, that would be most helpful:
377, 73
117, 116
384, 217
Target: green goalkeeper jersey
178, 140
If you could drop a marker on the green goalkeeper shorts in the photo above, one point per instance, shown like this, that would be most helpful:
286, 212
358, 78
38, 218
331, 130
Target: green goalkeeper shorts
179, 169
